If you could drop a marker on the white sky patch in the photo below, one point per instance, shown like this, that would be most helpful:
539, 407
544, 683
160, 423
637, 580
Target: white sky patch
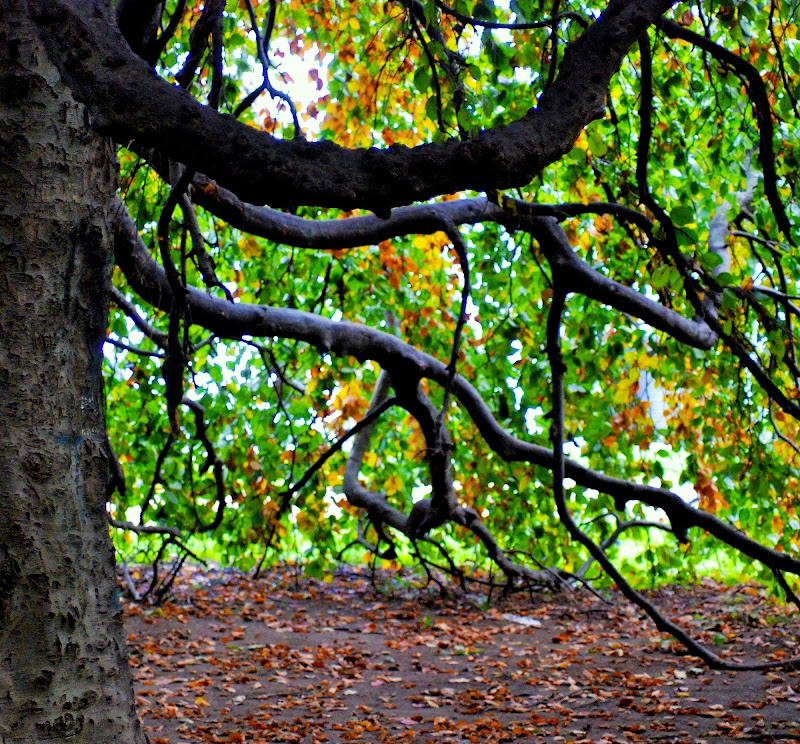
472, 314
290, 74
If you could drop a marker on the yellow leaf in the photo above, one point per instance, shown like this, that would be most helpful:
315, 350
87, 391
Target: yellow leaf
603, 224
304, 522
250, 247
393, 485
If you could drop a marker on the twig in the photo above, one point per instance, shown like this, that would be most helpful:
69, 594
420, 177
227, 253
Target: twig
144, 529
549, 22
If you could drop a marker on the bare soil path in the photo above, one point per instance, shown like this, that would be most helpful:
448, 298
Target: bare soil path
230, 659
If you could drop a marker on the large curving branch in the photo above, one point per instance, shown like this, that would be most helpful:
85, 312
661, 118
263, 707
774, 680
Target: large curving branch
129, 102
574, 273
375, 503
443, 505
298, 232
345, 338
334, 234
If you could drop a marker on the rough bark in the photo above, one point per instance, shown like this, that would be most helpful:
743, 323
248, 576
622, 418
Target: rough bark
63, 664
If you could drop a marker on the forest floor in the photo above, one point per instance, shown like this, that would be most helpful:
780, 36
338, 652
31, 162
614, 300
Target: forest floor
290, 659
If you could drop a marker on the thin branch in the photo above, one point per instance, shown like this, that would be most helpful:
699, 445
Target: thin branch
288, 494
547, 23
622, 526
271, 363
790, 594
262, 45
159, 338
156, 479
761, 107
175, 362
144, 529
778, 432
204, 261
133, 349
367, 421
463, 259
212, 461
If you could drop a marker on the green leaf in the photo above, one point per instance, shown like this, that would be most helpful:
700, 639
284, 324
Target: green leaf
709, 261
682, 215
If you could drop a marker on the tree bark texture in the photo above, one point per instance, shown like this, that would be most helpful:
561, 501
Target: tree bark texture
63, 664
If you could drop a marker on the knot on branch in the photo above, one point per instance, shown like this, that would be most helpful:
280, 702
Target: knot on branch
424, 517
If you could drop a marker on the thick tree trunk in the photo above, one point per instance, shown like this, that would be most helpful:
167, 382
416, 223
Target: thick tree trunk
63, 664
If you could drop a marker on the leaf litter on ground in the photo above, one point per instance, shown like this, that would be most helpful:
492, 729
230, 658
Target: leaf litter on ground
290, 659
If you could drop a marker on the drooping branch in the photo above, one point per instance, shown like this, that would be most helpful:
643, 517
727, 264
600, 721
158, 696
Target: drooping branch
463, 259
374, 503
344, 338
128, 101
212, 462
761, 107
579, 277
175, 361
557, 366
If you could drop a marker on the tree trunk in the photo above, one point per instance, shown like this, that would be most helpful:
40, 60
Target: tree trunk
63, 663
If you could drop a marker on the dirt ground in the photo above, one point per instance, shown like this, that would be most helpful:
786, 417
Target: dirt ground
287, 659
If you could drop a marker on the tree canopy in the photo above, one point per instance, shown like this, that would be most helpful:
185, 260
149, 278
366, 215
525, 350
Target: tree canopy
529, 266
